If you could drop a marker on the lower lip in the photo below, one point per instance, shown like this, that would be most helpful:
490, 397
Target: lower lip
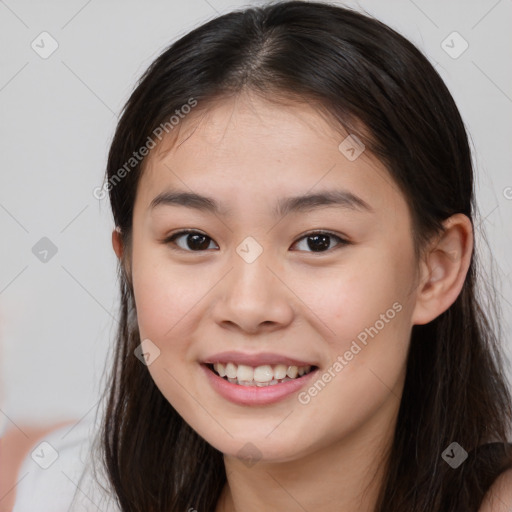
255, 395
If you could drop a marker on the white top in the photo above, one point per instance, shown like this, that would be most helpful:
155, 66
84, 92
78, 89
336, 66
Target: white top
57, 474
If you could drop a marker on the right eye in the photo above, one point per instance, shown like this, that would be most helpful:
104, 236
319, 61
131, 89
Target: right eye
191, 241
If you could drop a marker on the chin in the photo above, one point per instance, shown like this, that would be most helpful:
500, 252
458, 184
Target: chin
259, 447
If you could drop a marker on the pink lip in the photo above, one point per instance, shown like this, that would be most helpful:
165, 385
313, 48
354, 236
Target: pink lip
254, 359
254, 395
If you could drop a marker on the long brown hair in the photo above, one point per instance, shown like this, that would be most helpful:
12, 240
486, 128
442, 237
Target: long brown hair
377, 85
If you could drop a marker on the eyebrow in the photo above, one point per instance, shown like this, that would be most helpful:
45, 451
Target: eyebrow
301, 203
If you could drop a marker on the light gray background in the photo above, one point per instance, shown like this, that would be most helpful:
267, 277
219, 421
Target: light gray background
57, 119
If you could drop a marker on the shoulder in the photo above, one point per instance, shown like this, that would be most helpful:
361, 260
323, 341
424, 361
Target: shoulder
55, 462
499, 496
15, 443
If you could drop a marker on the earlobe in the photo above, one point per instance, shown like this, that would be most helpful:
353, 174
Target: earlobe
444, 269
117, 243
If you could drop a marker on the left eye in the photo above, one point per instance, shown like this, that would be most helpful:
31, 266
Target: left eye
195, 241
320, 241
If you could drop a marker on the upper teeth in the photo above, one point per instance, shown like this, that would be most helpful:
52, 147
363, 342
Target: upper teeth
264, 373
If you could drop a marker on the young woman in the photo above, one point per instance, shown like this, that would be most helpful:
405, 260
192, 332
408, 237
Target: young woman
293, 197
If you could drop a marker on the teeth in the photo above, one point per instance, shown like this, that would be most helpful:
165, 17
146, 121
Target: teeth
221, 369
292, 372
279, 371
265, 375
230, 370
245, 373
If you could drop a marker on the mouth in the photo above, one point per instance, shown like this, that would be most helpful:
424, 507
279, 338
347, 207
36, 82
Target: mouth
259, 376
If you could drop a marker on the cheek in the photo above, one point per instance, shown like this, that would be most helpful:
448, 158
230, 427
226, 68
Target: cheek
165, 300
367, 329
364, 292
164, 294
365, 313
367, 353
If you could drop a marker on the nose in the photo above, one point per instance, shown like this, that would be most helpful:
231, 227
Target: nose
253, 298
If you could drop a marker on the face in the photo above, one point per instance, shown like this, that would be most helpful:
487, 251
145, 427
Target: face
296, 276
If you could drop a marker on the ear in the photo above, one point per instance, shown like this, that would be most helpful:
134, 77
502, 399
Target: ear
443, 269
117, 243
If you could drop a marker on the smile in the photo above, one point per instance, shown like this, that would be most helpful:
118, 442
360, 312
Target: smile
257, 385
260, 376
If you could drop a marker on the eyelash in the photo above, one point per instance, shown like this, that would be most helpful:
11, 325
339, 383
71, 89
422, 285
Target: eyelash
171, 238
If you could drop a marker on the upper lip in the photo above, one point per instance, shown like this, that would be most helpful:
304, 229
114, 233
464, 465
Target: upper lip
260, 359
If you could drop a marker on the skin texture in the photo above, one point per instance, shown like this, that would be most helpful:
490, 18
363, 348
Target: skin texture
246, 153
499, 496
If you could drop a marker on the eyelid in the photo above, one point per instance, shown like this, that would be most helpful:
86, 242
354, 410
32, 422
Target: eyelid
342, 241
168, 240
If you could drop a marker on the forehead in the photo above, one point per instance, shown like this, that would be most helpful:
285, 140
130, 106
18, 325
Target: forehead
247, 148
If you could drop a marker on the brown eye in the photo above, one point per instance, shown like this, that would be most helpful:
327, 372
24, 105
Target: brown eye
195, 241
320, 241
190, 240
